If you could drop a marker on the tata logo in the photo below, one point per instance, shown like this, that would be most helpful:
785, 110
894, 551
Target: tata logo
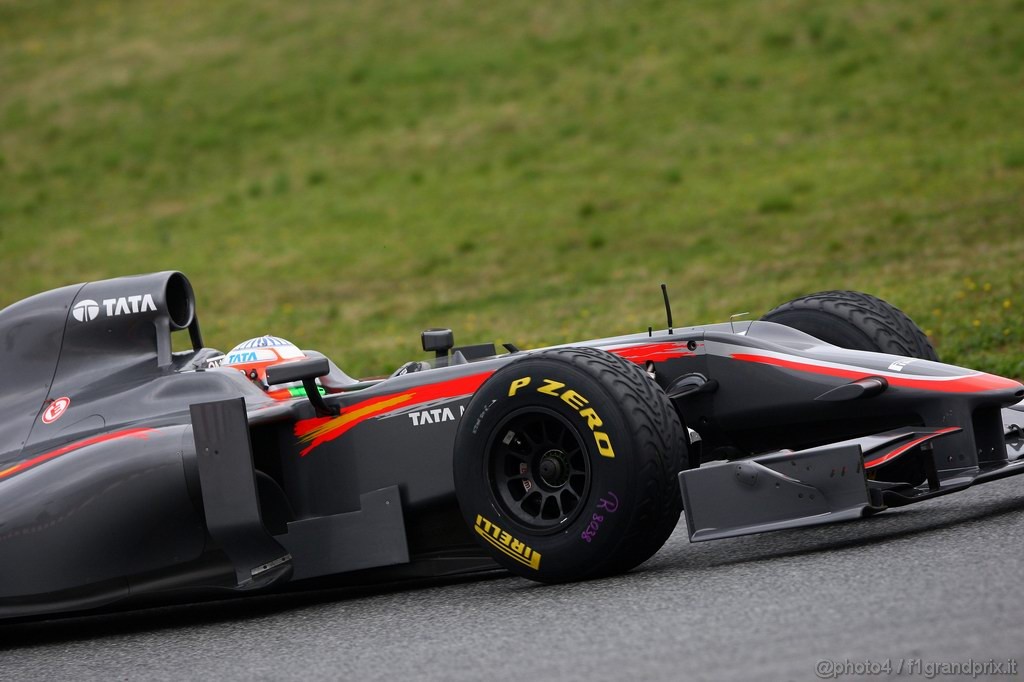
127, 305
239, 358
435, 416
85, 311
88, 310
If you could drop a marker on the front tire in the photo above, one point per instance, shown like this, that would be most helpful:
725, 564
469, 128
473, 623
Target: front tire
566, 465
857, 321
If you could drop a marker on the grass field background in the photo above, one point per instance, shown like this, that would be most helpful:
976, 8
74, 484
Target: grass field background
346, 174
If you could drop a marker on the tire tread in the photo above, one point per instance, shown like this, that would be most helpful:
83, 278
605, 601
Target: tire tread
885, 327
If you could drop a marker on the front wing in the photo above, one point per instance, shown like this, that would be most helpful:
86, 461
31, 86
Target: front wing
830, 483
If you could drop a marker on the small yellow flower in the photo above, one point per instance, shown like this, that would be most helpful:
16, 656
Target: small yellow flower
987, 287
937, 312
977, 323
1007, 303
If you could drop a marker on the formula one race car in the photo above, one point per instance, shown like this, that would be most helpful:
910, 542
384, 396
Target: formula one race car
130, 472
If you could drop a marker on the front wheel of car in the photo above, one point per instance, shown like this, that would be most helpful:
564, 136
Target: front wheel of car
566, 465
857, 321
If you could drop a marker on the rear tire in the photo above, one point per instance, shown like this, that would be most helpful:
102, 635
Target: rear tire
566, 465
857, 321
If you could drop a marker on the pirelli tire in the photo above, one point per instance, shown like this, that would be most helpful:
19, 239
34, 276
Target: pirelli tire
566, 465
857, 321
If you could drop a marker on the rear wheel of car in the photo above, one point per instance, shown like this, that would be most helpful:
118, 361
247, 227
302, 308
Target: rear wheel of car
857, 321
566, 465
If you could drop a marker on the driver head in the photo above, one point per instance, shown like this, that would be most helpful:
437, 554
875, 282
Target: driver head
254, 356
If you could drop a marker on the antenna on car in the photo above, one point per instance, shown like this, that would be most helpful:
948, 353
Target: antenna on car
668, 308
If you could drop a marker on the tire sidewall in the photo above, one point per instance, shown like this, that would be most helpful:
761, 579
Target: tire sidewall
578, 545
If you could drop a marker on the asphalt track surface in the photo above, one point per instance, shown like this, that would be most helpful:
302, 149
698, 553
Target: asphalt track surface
939, 582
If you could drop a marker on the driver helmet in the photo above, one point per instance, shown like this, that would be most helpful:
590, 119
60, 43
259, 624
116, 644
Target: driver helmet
253, 357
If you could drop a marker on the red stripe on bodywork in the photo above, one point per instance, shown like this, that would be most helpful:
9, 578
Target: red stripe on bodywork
141, 433
906, 446
970, 383
318, 431
655, 352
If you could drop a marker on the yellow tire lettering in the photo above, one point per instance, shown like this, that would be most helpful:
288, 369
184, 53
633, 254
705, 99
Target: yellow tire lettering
550, 387
593, 421
604, 444
506, 544
574, 400
517, 384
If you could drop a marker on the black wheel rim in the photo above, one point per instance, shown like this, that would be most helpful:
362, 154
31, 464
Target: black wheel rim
539, 470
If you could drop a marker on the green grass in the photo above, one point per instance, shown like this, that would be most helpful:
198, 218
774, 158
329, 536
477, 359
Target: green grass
346, 174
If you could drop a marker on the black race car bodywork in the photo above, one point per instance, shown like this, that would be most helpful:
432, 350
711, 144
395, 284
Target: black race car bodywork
129, 471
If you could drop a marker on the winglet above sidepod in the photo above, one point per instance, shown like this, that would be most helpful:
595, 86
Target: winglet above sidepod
868, 387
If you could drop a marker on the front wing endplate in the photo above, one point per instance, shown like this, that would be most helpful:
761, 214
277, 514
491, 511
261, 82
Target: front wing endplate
774, 492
